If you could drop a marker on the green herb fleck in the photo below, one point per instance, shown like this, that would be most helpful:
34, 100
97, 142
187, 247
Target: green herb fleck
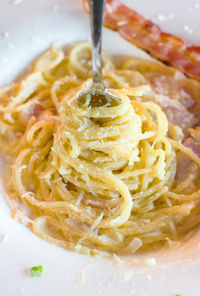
36, 271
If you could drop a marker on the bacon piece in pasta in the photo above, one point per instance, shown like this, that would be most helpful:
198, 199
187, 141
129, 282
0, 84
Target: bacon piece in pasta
176, 112
193, 145
32, 110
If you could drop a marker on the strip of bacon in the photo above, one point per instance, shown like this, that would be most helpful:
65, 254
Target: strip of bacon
148, 36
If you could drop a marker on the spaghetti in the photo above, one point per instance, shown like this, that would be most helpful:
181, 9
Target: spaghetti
98, 180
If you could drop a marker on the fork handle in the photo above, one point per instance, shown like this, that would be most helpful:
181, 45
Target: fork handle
96, 24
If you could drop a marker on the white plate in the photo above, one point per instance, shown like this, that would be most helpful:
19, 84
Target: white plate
32, 25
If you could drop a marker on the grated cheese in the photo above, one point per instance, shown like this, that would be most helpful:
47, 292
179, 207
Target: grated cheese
81, 128
64, 171
168, 202
109, 8
82, 276
55, 7
4, 239
69, 277
121, 23
24, 219
77, 247
96, 222
5, 60
27, 194
187, 29
79, 199
178, 75
127, 275
48, 181
23, 167
148, 277
134, 245
173, 229
150, 262
117, 259
15, 2
5, 35
89, 210
161, 17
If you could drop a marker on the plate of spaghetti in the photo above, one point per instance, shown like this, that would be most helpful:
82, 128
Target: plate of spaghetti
99, 200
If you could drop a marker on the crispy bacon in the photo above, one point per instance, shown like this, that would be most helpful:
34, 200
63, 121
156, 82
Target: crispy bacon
148, 36
48, 115
32, 110
185, 167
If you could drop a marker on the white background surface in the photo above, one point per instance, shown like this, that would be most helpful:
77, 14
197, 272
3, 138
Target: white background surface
32, 26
